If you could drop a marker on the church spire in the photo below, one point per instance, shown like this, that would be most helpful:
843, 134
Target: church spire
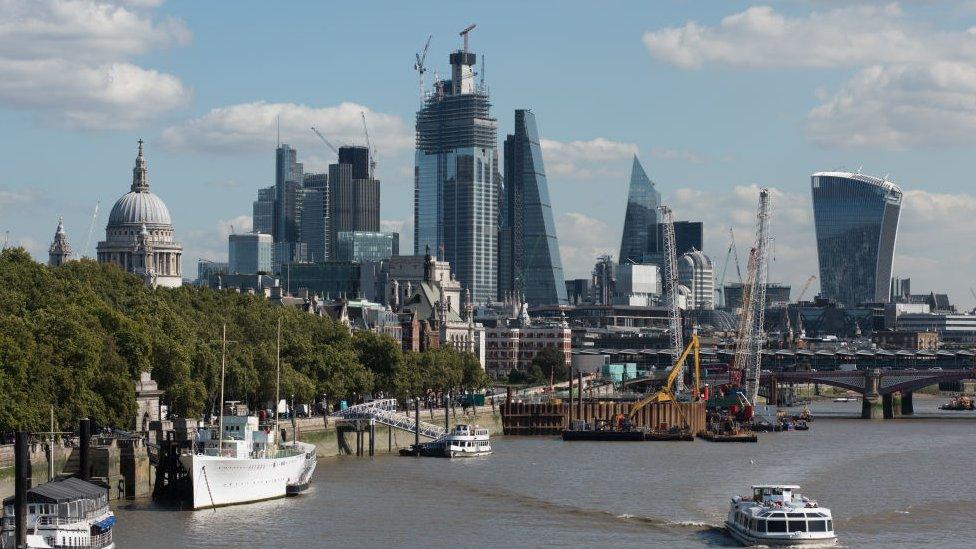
140, 174
60, 250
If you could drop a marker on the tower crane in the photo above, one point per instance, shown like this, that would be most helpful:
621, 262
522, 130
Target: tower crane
732, 252
369, 148
749, 338
467, 30
805, 287
671, 288
326, 141
420, 68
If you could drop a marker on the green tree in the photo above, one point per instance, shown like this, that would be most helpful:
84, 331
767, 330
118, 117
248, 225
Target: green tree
552, 363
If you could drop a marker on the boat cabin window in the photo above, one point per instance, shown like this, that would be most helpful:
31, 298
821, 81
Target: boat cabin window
830, 525
797, 525
778, 515
795, 515
776, 526
818, 525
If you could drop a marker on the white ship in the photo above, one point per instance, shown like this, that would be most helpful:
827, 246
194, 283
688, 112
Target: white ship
461, 441
777, 515
245, 465
62, 513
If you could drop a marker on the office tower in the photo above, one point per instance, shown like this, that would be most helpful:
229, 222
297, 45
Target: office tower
528, 250
263, 211
288, 188
641, 221
366, 246
354, 196
315, 215
578, 290
637, 285
456, 179
856, 221
249, 253
695, 272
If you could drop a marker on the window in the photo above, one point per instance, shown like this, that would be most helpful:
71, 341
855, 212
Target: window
797, 525
761, 525
818, 526
775, 526
830, 525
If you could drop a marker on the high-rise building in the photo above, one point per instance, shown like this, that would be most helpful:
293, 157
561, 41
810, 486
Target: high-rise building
60, 251
362, 246
249, 253
604, 281
641, 221
263, 211
688, 236
288, 188
856, 221
354, 196
315, 216
637, 285
456, 179
528, 250
695, 272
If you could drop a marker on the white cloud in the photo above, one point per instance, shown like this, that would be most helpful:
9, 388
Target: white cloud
581, 240
14, 197
253, 127
683, 155
850, 36
68, 62
585, 159
898, 107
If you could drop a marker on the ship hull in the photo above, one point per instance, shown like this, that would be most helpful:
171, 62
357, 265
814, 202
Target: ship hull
219, 481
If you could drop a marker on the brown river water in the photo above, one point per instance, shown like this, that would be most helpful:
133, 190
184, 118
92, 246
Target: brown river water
899, 483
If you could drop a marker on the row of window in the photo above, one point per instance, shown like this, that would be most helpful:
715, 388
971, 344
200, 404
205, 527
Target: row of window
778, 526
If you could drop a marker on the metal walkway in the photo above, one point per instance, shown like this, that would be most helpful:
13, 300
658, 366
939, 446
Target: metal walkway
385, 412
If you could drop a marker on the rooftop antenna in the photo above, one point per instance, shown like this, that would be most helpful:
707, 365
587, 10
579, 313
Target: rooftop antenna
419, 66
464, 34
91, 228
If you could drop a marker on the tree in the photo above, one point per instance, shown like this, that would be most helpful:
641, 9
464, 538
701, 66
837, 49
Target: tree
552, 363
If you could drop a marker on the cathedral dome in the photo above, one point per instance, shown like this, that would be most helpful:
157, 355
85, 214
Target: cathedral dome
138, 208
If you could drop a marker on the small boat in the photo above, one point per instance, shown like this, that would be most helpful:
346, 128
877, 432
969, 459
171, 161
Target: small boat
801, 425
726, 429
776, 515
845, 399
959, 404
461, 441
62, 513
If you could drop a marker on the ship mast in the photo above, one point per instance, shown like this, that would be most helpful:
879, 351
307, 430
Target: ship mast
220, 411
277, 385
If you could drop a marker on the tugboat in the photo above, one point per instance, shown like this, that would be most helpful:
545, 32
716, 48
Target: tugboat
62, 513
462, 441
776, 514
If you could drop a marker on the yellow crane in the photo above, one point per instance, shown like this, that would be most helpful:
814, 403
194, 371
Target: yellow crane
666, 394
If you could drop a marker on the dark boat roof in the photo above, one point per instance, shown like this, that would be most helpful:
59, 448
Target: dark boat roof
62, 491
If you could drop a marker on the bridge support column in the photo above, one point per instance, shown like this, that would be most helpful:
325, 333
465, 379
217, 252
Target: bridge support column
907, 406
887, 407
896, 405
871, 407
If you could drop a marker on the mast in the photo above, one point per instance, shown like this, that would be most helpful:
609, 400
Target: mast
277, 385
220, 413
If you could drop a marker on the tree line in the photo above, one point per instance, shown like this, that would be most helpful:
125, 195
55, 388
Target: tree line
77, 337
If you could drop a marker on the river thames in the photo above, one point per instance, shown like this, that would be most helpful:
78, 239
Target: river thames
901, 483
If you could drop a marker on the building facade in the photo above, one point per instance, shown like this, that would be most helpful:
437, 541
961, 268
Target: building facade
509, 348
363, 246
263, 211
60, 251
456, 178
249, 253
528, 249
354, 196
139, 234
695, 272
638, 285
856, 221
641, 218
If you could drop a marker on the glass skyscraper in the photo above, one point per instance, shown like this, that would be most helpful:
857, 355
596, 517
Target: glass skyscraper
456, 179
528, 250
640, 223
353, 196
856, 221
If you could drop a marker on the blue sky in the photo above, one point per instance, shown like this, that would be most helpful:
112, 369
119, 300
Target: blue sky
716, 98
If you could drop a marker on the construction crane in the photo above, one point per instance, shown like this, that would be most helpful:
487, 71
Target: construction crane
467, 30
326, 141
749, 337
732, 251
667, 393
671, 285
369, 148
420, 68
91, 229
805, 287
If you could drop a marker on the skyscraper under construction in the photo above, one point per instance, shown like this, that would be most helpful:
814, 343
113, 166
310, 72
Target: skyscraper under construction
456, 179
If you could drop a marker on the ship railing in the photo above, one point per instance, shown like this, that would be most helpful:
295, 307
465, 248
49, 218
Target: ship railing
96, 541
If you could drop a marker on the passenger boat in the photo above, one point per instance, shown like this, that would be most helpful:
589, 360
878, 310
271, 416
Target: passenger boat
959, 404
62, 513
776, 515
462, 441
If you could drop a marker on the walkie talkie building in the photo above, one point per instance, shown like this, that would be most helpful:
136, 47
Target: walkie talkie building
856, 221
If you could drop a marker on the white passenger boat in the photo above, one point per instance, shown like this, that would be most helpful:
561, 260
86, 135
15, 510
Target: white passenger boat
777, 515
62, 513
461, 441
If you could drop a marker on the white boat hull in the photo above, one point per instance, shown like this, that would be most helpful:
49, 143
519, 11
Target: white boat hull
218, 480
781, 540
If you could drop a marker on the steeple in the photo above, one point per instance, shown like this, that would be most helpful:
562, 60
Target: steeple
140, 174
60, 250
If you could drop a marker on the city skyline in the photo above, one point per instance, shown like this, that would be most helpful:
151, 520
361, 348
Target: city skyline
208, 166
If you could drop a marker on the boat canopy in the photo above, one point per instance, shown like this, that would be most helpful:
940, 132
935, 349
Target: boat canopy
780, 486
63, 491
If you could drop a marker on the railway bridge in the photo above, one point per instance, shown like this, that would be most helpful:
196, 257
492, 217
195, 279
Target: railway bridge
884, 393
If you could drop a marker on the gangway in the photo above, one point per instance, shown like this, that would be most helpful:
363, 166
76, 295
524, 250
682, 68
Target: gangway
384, 412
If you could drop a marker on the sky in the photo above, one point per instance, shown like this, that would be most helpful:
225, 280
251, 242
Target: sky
716, 98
